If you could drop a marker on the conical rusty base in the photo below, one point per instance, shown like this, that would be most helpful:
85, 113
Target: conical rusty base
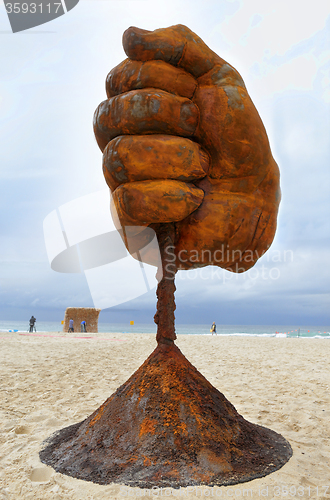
166, 426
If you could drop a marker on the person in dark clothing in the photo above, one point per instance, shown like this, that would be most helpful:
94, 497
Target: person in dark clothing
213, 328
32, 324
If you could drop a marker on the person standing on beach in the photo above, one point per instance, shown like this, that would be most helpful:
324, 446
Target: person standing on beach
83, 325
71, 326
213, 328
32, 324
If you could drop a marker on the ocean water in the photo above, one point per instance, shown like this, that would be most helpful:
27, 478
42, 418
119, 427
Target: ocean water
322, 332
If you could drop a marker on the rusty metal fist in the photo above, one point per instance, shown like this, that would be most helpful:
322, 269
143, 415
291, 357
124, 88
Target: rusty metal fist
182, 142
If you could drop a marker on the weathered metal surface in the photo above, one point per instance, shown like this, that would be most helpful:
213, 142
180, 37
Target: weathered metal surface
134, 75
130, 158
166, 426
145, 111
171, 94
164, 317
183, 145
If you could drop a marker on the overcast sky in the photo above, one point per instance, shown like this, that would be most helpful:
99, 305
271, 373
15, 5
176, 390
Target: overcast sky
52, 79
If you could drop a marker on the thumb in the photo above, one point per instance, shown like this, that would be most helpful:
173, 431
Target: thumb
176, 45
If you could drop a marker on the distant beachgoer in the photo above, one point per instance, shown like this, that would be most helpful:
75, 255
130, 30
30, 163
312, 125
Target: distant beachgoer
213, 328
32, 324
83, 326
71, 326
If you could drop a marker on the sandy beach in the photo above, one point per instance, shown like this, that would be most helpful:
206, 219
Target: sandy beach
52, 380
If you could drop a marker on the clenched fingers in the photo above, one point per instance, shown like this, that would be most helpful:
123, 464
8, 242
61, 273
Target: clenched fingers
176, 45
133, 75
147, 202
147, 157
146, 111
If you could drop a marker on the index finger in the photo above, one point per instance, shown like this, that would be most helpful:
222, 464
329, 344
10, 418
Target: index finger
177, 45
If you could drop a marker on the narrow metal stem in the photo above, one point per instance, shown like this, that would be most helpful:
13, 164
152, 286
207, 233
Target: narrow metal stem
164, 317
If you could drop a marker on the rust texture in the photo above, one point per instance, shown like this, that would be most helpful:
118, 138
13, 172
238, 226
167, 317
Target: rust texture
79, 314
184, 152
164, 317
183, 142
166, 426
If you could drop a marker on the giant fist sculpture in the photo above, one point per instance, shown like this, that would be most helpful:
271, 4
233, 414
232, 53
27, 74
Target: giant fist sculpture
185, 152
182, 142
